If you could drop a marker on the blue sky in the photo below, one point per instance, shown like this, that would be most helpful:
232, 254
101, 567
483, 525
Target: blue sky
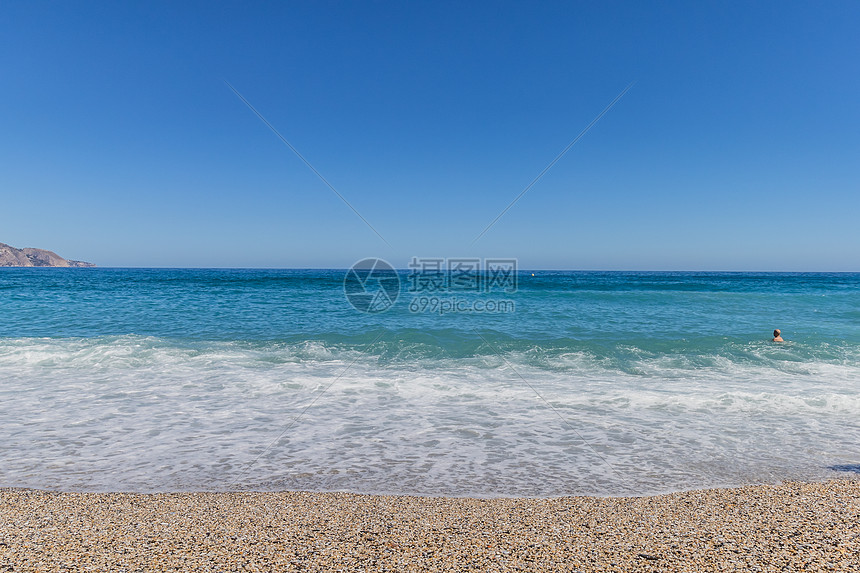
738, 147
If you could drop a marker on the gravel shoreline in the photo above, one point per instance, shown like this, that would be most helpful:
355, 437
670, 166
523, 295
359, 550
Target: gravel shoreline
787, 527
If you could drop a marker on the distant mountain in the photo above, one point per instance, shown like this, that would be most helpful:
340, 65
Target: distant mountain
12, 257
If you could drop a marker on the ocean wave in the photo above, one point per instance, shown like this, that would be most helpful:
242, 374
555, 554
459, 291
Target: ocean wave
497, 417
448, 349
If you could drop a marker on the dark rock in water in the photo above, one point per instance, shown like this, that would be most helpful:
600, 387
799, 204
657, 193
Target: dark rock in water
12, 257
846, 468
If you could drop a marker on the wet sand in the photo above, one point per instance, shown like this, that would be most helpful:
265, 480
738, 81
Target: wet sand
788, 527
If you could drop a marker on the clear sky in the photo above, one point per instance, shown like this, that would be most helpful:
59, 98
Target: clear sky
738, 147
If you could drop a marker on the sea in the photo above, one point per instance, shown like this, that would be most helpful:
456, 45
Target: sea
526, 383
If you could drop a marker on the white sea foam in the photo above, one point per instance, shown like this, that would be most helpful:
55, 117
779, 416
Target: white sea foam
146, 414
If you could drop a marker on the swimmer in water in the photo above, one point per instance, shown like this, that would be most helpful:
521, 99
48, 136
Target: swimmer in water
776, 336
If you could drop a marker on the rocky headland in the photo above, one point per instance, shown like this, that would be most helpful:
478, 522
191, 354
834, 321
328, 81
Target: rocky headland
29, 257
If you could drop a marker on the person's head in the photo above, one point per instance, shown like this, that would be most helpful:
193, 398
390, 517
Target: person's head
776, 333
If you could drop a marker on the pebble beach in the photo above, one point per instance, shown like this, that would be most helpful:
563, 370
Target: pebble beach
786, 527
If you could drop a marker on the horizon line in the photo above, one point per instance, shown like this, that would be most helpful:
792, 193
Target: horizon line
524, 270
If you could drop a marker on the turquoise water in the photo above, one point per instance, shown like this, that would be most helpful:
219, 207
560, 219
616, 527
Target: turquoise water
606, 383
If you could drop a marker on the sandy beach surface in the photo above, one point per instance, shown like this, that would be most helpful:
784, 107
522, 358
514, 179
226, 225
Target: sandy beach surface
788, 527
